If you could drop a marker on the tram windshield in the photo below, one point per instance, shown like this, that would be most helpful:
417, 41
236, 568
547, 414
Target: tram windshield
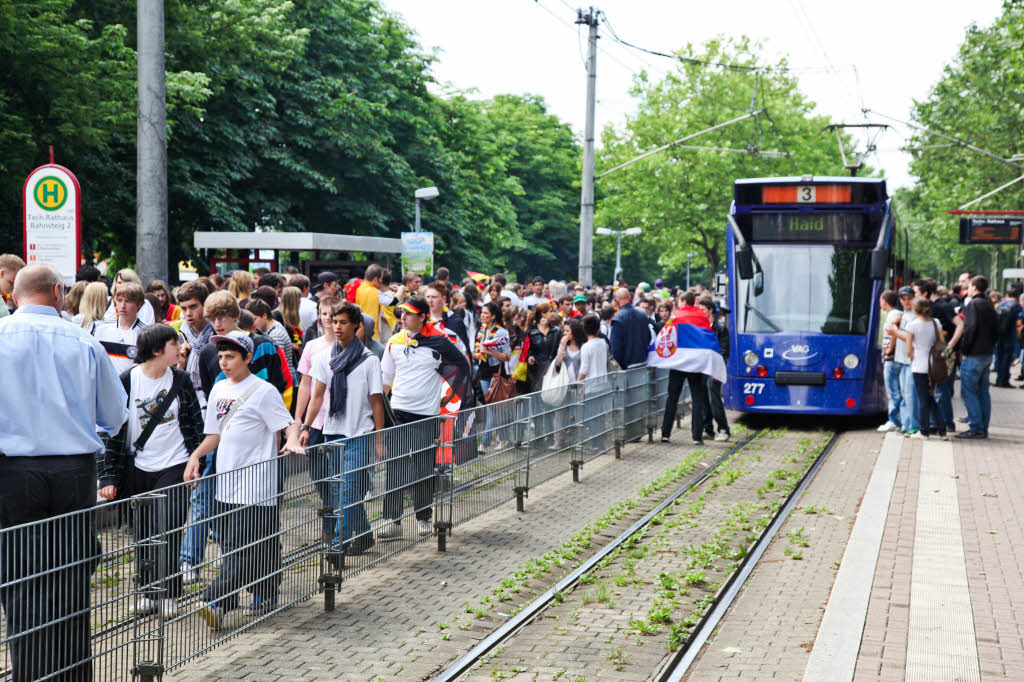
810, 288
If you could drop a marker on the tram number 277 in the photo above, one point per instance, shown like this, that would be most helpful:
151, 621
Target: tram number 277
751, 388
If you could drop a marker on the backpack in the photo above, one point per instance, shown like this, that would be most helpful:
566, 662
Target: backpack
938, 370
1006, 323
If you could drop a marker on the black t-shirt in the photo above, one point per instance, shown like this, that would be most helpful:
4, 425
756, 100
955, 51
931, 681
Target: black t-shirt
944, 312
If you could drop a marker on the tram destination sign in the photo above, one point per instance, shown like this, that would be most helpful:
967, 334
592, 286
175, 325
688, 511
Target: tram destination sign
991, 230
811, 227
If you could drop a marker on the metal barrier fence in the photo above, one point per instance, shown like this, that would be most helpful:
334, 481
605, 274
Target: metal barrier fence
139, 586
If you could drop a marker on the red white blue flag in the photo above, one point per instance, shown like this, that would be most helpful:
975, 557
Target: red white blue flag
686, 345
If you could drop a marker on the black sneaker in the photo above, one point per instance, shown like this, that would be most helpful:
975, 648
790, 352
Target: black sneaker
970, 434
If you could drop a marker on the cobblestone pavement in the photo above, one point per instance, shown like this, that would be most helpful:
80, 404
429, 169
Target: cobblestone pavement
989, 478
386, 622
620, 624
771, 626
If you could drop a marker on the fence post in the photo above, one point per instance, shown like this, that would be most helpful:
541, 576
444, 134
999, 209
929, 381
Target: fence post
522, 435
576, 430
444, 471
618, 412
652, 402
332, 560
147, 517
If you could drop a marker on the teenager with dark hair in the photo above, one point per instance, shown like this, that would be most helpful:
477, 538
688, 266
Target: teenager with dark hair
150, 451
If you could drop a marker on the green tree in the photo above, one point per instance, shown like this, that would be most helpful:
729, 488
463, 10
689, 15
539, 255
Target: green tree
680, 196
979, 99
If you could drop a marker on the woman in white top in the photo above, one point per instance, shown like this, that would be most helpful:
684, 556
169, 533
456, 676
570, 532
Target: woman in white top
594, 355
920, 336
570, 347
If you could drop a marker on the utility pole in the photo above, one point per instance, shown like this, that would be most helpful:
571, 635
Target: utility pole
151, 177
586, 266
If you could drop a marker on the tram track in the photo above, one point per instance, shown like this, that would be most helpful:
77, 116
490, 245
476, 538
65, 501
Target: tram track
675, 665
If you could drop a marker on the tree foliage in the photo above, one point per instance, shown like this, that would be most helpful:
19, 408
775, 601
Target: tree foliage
980, 100
286, 115
680, 196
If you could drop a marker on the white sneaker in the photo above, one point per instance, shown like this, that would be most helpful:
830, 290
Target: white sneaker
888, 426
189, 574
424, 527
721, 436
169, 608
390, 529
917, 435
145, 606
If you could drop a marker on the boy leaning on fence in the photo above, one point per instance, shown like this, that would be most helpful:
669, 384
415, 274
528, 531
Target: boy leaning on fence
149, 453
243, 415
356, 408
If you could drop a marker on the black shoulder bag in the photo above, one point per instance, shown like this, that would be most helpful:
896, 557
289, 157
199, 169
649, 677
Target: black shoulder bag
158, 413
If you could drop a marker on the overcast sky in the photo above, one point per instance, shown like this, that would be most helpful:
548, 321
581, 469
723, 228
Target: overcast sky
898, 47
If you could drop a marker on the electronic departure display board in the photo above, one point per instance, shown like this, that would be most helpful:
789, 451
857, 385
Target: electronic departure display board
810, 227
989, 230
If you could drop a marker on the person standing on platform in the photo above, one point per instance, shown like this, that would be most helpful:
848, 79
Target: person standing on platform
891, 369
631, 332
416, 361
10, 265
65, 378
976, 345
694, 320
1008, 318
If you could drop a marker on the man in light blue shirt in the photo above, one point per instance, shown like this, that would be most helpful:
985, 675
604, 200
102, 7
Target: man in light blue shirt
60, 389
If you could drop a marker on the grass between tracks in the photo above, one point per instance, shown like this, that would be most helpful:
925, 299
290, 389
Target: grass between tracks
673, 601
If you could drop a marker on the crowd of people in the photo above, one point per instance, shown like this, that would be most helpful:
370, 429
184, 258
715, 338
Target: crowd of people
152, 387
931, 332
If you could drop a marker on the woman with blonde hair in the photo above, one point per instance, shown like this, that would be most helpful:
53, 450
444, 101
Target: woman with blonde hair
290, 298
92, 305
240, 284
74, 298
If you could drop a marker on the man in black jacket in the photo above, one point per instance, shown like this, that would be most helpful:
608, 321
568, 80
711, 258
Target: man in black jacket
716, 415
977, 344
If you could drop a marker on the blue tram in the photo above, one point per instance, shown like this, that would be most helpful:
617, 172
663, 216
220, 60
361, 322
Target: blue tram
808, 259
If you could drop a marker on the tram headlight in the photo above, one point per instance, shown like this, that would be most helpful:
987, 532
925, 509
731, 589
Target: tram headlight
750, 358
851, 361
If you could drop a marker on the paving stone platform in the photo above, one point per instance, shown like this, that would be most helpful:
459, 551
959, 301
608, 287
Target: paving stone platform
946, 597
386, 622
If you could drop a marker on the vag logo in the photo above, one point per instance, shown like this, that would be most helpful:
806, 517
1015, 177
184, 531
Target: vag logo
798, 352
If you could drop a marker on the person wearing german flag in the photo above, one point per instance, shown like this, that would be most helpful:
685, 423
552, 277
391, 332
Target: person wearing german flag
416, 361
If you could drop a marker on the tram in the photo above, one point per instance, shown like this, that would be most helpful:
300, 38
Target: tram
808, 258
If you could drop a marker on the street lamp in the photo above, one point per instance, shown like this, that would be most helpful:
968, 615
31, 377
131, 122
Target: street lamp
605, 232
423, 194
688, 257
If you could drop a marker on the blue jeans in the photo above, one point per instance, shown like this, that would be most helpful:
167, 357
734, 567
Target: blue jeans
974, 391
355, 481
318, 473
911, 407
892, 371
944, 397
193, 548
1004, 358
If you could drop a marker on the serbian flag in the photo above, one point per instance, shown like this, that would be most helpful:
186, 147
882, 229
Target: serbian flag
686, 343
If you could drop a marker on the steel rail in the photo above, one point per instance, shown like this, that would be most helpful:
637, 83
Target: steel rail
531, 610
678, 664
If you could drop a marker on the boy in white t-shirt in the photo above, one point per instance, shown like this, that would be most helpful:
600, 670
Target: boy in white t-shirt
243, 415
355, 410
150, 453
